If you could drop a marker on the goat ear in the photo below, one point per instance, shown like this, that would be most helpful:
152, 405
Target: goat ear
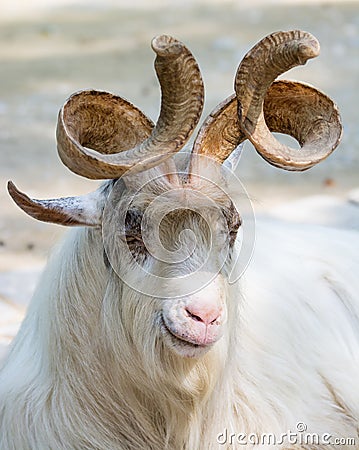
83, 210
232, 161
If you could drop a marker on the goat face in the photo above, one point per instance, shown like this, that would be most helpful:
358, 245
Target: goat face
171, 245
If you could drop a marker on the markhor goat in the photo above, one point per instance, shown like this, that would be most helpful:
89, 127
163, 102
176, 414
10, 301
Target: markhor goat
139, 335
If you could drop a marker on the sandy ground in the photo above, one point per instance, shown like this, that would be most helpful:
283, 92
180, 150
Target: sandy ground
49, 49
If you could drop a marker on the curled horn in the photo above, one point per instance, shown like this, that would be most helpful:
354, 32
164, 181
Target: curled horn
261, 106
101, 136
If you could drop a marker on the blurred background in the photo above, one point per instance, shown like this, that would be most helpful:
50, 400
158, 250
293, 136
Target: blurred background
51, 48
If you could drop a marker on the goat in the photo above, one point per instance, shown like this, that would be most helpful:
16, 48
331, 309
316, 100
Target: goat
138, 335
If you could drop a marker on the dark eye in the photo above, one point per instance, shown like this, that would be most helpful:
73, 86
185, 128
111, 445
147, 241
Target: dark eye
133, 236
133, 241
234, 221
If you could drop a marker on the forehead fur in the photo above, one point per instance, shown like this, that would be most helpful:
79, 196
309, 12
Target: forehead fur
208, 186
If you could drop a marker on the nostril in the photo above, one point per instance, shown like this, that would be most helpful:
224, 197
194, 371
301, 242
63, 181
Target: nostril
193, 316
208, 316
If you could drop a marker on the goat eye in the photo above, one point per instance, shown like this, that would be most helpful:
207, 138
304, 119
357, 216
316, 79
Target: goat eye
132, 235
235, 224
133, 240
234, 221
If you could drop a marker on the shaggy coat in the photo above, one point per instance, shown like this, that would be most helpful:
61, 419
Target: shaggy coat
89, 368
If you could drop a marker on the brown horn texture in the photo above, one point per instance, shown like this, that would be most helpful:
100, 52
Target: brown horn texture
261, 106
69, 211
102, 136
305, 113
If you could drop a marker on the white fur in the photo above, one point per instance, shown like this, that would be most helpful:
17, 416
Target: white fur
89, 369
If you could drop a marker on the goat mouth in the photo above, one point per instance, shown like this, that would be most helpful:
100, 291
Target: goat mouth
180, 345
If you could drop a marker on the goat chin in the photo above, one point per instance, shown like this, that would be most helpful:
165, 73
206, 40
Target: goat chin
83, 374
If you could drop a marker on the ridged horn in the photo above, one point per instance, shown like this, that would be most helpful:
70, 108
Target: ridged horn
68, 211
303, 112
220, 133
102, 136
265, 106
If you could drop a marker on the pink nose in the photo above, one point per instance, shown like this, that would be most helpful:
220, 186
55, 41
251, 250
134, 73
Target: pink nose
206, 313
